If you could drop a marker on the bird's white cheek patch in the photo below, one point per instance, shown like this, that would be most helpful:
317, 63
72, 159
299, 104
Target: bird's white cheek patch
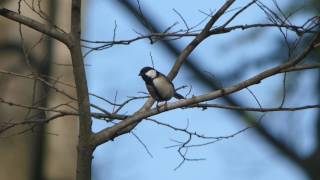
151, 73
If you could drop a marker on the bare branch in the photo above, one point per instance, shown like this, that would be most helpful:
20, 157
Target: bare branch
198, 39
177, 35
46, 29
254, 109
36, 107
112, 132
183, 20
143, 144
238, 12
186, 144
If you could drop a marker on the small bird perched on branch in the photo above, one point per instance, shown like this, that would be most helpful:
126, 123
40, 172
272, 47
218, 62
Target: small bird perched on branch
159, 86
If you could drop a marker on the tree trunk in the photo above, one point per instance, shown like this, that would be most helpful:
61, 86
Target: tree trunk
85, 147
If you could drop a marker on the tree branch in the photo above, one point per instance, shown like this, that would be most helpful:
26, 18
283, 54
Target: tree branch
112, 132
198, 39
33, 24
186, 52
254, 109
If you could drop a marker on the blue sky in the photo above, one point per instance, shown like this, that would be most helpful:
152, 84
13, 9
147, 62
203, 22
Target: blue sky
243, 157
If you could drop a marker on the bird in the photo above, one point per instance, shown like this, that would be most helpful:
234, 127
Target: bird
158, 85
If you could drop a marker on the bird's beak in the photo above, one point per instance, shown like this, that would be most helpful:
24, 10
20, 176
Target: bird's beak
140, 74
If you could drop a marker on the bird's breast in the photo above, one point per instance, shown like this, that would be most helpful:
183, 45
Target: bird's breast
164, 88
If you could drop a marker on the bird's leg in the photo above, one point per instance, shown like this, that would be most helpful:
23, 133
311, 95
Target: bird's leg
157, 105
165, 104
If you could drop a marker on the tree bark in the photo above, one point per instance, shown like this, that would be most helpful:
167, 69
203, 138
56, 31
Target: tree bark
85, 148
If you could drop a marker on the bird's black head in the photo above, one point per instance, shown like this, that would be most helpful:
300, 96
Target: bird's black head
144, 70
148, 73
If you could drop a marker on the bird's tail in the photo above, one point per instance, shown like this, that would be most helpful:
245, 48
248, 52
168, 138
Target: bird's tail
178, 96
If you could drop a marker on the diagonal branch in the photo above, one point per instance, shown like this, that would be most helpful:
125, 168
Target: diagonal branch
46, 29
198, 73
112, 132
183, 56
198, 39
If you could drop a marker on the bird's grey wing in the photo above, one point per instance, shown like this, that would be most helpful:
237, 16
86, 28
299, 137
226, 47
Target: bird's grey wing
153, 92
176, 95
